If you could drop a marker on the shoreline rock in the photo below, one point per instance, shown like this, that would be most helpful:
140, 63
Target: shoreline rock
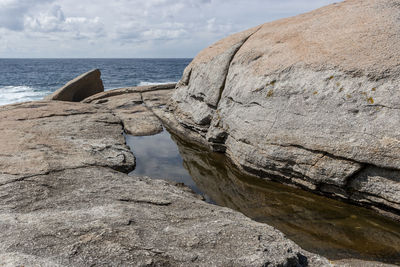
304, 102
66, 199
81, 87
95, 215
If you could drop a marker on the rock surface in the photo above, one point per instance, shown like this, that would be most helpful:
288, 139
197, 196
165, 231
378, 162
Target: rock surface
43, 137
129, 90
309, 100
98, 216
79, 88
64, 201
133, 105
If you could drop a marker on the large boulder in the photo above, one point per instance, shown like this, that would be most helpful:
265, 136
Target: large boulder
310, 100
81, 87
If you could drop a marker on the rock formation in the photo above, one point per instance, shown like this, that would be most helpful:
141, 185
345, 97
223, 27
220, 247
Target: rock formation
66, 200
129, 105
79, 88
310, 100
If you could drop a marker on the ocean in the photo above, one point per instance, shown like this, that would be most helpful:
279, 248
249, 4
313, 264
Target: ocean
31, 79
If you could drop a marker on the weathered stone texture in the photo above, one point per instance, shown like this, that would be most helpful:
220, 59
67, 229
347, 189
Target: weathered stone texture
310, 100
135, 106
63, 201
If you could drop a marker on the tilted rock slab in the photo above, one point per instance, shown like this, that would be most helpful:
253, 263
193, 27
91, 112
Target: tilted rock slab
81, 87
66, 200
311, 100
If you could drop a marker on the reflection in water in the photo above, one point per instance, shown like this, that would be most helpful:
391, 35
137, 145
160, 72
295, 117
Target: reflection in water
158, 156
328, 227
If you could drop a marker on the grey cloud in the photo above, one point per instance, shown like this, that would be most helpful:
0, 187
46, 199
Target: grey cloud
135, 27
13, 12
53, 20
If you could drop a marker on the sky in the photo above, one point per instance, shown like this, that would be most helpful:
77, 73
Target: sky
131, 28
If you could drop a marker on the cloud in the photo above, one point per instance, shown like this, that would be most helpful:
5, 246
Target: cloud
13, 12
57, 25
50, 21
133, 28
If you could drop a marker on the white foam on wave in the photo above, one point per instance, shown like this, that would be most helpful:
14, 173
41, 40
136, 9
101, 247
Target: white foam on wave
153, 83
20, 93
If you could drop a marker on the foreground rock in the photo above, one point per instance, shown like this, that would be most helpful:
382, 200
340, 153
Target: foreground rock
98, 216
64, 203
42, 137
79, 88
305, 102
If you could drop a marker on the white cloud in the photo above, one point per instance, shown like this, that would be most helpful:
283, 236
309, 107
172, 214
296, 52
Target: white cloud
131, 28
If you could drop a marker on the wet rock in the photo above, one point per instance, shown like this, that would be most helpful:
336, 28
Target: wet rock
79, 88
302, 101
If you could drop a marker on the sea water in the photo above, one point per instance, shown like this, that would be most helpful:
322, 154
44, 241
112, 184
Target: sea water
31, 79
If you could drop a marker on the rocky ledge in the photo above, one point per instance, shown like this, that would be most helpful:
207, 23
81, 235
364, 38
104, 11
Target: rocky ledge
66, 200
300, 100
310, 100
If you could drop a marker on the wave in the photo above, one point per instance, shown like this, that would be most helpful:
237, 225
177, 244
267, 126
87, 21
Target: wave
20, 93
153, 83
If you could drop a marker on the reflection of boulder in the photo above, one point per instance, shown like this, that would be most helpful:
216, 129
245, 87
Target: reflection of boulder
321, 225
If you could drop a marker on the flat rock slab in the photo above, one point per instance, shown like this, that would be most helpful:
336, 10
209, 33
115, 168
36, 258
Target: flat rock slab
97, 216
135, 106
42, 137
129, 90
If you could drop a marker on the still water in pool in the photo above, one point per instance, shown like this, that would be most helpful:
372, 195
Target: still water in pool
318, 224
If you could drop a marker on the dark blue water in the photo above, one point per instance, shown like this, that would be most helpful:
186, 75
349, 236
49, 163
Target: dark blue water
32, 79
